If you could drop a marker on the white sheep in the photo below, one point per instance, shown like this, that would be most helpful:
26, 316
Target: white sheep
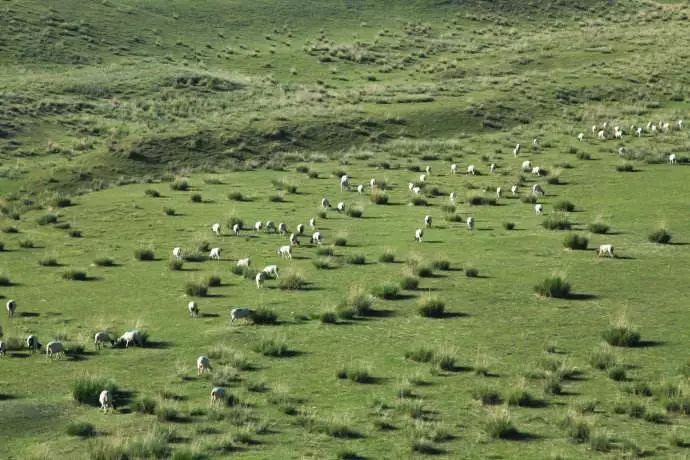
294, 241
539, 209
410, 186
452, 197
672, 159
428, 170
537, 189
282, 229
240, 313
32, 343
601, 135
638, 131
312, 223
516, 150
236, 229
177, 253
594, 129
679, 123
340, 207
193, 309
259, 278
100, 338
271, 271
537, 171
105, 399
453, 169
514, 190
427, 221
203, 364
471, 170
131, 337
270, 226
418, 234
470, 223
422, 178
300, 229
498, 192
325, 204
605, 250
215, 228
526, 165
416, 190
535, 142
580, 137
217, 395
344, 183
258, 225
360, 189
492, 168
3, 348
244, 263
214, 254
372, 183
316, 238
11, 307
285, 252
55, 349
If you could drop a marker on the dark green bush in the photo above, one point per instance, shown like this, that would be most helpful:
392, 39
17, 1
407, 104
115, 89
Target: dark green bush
152, 193
471, 272
387, 291
144, 254
81, 429
598, 227
180, 185
564, 206
661, 236
575, 242
104, 262
621, 336
509, 225
74, 275
487, 396
47, 219
196, 289
264, 316
431, 307
409, 283
86, 390
553, 287
556, 222
196, 198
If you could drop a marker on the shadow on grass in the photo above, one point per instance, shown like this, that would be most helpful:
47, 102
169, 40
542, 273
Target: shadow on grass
581, 297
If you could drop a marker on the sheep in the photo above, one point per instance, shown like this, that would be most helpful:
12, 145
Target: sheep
271, 271
55, 349
416, 190
193, 309
244, 263
452, 197
418, 235
605, 250
453, 169
257, 226
539, 209
240, 313
316, 238
131, 337
217, 395
106, 401
3, 348
621, 151
498, 192
654, 128
410, 186
672, 159
594, 129
638, 131
537, 189
665, 127
422, 178
526, 165
471, 170
102, 337
535, 142
294, 241
537, 171
32, 343
679, 123
312, 223
340, 207
470, 223
177, 253
601, 135
300, 229
427, 221
215, 228
516, 150
325, 204
428, 170
360, 189
514, 190
618, 133
203, 364
236, 229
580, 137
282, 229
492, 168
285, 252
11, 307
270, 226
344, 183
259, 278
372, 183
214, 254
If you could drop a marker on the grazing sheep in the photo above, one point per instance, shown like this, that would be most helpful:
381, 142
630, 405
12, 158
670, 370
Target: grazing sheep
453, 196
428, 170
106, 401
244, 263
537, 189
293, 240
217, 395
471, 170
665, 127
259, 278
453, 169
3, 348
240, 313
32, 343
621, 151
537, 171
422, 178
316, 238
236, 229
516, 150
372, 183
193, 309
470, 223
344, 183
270, 226
271, 271
360, 189
325, 204
672, 159
410, 186
654, 129
514, 190
312, 223
416, 190
580, 136
594, 129
618, 133
492, 168
498, 192
300, 229
131, 337
55, 349
282, 229
102, 337
177, 253
535, 142
539, 209
601, 135
285, 252
605, 250
11, 307
203, 364
340, 207
214, 254
679, 123
215, 228
526, 165
638, 131
258, 225
418, 234
427, 221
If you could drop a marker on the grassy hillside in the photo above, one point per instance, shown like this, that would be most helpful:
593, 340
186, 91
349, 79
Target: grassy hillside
261, 106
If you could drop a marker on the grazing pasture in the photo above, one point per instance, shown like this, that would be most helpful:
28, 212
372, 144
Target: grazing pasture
515, 336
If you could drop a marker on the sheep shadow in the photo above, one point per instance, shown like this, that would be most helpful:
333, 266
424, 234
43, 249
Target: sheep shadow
6, 397
649, 343
158, 344
19, 354
581, 297
453, 314
29, 314
209, 315
379, 313
521, 436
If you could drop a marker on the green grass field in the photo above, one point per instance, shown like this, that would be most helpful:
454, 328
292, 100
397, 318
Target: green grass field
105, 102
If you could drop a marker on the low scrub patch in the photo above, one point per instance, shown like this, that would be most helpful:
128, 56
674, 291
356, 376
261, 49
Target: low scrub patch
498, 425
275, 347
388, 256
603, 358
625, 167
144, 254
577, 428
81, 429
509, 225
420, 355
47, 219
48, 262
292, 282
354, 211
409, 283
487, 396
152, 193
264, 316
86, 390
358, 374
418, 201
564, 206
356, 259
180, 185
598, 228
74, 275
175, 265
378, 197
556, 222
196, 289
575, 242
431, 307
661, 236
471, 272
360, 300
554, 286
388, 291
104, 262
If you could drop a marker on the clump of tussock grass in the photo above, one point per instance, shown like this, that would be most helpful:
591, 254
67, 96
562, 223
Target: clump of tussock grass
60, 201
480, 200
379, 197
660, 235
602, 358
575, 242
81, 429
340, 240
328, 317
625, 167
487, 396
355, 211
10, 229
87, 389
598, 228
621, 333
276, 198
196, 198
75, 233
355, 373
328, 251
529, 199
471, 272
554, 286
175, 264
445, 359
431, 307
388, 256
104, 262
26, 244
152, 193
556, 222
441, 264
292, 281
195, 255
74, 275
356, 259
360, 301
48, 261
564, 206
617, 373
264, 316
420, 355
47, 219
145, 405
236, 196
509, 225
179, 184
409, 282
233, 220
577, 428
323, 263
143, 254
638, 389
388, 291
499, 425
213, 280
418, 201
196, 289
274, 346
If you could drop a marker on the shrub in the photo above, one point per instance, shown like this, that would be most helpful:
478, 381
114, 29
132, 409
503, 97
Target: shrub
152, 193
388, 256
354, 211
74, 275
499, 425
509, 225
174, 264
575, 242
479, 200
275, 347
556, 222
322, 214
358, 374
179, 184
522, 398
325, 251
602, 359
599, 441
340, 241
74, 233
48, 262
577, 428
292, 281
378, 197
564, 206
169, 211
529, 199
145, 405
60, 202
323, 263
552, 384
360, 301
104, 262
471, 272
441, 264
345, 312
387, 291
302, 169
235, 220
47, 219
554, 286
420, 355
598, 228
487, 396
585, 406
409, 283
144, 254
625, 167
638, 389
583, 156
313, 174
196, 289
194, 256
453, 217
431, 307
276, 198
425, 446
553, 180
196, 198
26, 244
661, 236
236, 196
423, 270
418, 201
87, 389
329, 317
617, 373
167, 413
81, 429
621, 336
213, 281
356, 259
445, 360
448, 208
264, 316
10, 229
